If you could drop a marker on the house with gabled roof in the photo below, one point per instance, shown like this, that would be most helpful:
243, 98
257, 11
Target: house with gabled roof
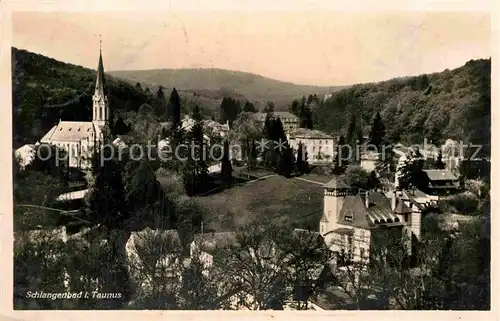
350, 217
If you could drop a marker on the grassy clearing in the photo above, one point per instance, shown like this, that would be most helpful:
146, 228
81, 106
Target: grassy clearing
274, 200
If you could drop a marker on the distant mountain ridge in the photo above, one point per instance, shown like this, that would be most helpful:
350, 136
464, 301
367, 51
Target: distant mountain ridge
252, 87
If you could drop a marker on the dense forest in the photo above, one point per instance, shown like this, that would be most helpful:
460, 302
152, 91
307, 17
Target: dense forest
451, 104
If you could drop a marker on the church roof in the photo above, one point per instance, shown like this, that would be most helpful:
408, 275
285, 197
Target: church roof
336, 183
69, 131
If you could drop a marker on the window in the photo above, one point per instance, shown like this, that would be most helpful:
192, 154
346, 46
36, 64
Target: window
322, 229
361, 252
348, 217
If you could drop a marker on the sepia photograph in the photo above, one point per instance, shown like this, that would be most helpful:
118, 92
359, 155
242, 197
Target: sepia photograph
278, 160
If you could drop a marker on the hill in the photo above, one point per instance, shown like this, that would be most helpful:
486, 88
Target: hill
451, 104
217, 83
45, 90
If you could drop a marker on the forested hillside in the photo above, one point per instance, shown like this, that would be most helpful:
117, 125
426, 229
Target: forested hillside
45, 90
450, 104
235, 84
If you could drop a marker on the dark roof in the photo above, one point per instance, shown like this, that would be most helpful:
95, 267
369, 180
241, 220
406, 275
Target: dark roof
336, 183
440, 175
379, 204
354, 212
401, 208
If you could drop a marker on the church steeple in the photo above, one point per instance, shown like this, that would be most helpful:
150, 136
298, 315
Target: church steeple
99, 84
100, 111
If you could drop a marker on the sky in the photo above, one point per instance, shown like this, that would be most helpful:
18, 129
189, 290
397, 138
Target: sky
314, 47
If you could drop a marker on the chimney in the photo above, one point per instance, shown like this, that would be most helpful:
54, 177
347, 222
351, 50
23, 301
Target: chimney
393, 200
367, 199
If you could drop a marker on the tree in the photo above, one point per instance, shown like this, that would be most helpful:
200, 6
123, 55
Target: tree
306, 256
141, 186
257, 268
386, 164
155, 265
286, 161
195, 169
105, 201
229, 110
302, 165
145, 125
138, 86
198, 291
294, 108
340, 160
269, 108
226, 167
305, 116
174, 108
439, 164
161, 110
352, 137
245, 130
411, 172
249, 107
377, 133
357, 177
38, 264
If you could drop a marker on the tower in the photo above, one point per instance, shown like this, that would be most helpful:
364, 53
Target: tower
335, 193
100, 106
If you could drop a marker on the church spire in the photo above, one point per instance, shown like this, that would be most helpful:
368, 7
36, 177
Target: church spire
99, 84
100, 107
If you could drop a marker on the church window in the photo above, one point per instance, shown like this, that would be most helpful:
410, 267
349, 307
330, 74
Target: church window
100, 113
348, 217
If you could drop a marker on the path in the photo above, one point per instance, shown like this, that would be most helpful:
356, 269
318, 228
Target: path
309, 181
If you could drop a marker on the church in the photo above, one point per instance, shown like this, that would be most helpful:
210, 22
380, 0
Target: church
79, 138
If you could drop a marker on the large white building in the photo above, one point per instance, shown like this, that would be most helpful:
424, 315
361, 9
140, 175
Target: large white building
79, 138
319, 146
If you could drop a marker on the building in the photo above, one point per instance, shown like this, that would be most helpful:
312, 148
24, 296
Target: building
80, 138
215, 128
369, 161
442, 181
349, 217
319, 146
289, 120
